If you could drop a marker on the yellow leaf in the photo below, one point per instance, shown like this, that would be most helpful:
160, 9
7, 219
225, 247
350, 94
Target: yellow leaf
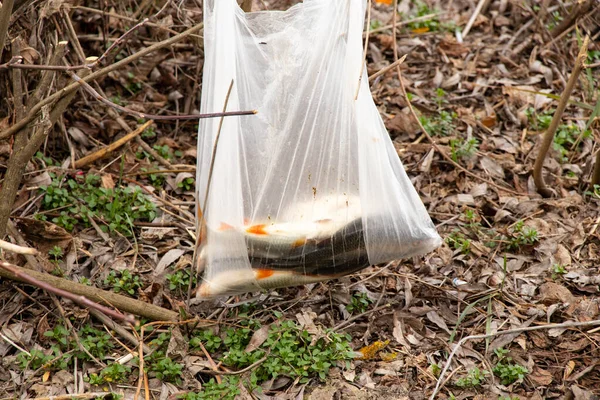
421, 30
368, 352
46, 376
388, 2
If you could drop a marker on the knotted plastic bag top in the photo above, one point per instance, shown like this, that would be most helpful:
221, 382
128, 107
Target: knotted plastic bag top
311, 187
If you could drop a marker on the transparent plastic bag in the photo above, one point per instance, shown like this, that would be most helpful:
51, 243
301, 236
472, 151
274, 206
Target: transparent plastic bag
311, 187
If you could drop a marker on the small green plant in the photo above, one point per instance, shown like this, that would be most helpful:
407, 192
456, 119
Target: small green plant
158, 179
164, 368
46, 160
558, 270
36, 359
539, 122
359, 303
508, 371
114, 373
85, 281
60, 334
595, 192
228, 389
212, 343
180, 280
440, 95
123, 282
463, 149
133, 86
556, 18
117, 100
375, 24
567, 136
288, 350
56, 252
164, 151
522, 236
149, 133
441, 124
97, 342
429, 25
475, 377
459, 242
82, 197
187, 184
435, 370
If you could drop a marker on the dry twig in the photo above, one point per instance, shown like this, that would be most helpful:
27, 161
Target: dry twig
123, 303
90, 158
5, 13
20, 275
556, 118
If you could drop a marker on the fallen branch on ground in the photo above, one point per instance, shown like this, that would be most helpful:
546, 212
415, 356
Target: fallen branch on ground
75, 289
82, 300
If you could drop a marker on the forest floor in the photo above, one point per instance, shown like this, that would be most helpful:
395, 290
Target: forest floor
511, 259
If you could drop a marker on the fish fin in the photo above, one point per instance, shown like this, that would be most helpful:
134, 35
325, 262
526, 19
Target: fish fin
263, 273
257, 229
299, 243
225, 227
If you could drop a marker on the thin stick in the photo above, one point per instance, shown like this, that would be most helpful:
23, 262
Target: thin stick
354, 318
112, 325
124, 303
538, 178
82, 300
16, 248
469, 25
95, 75
90, 158
138, 114
364, 57
211, 362
5, 338
507, 332
202, 222
5, 12
386, 69
239, 372
416, 118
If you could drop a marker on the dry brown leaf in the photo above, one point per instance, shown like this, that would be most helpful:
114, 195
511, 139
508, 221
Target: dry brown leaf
258, 338
540, 377
551, 292
107, 181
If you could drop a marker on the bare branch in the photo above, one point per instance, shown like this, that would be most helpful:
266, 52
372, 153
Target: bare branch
5, 13
93, 294
21, 275
556, 118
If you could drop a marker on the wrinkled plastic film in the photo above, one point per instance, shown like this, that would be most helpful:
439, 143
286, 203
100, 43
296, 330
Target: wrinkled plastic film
313, 163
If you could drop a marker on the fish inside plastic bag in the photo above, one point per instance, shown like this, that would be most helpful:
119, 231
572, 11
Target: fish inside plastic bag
310, 188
